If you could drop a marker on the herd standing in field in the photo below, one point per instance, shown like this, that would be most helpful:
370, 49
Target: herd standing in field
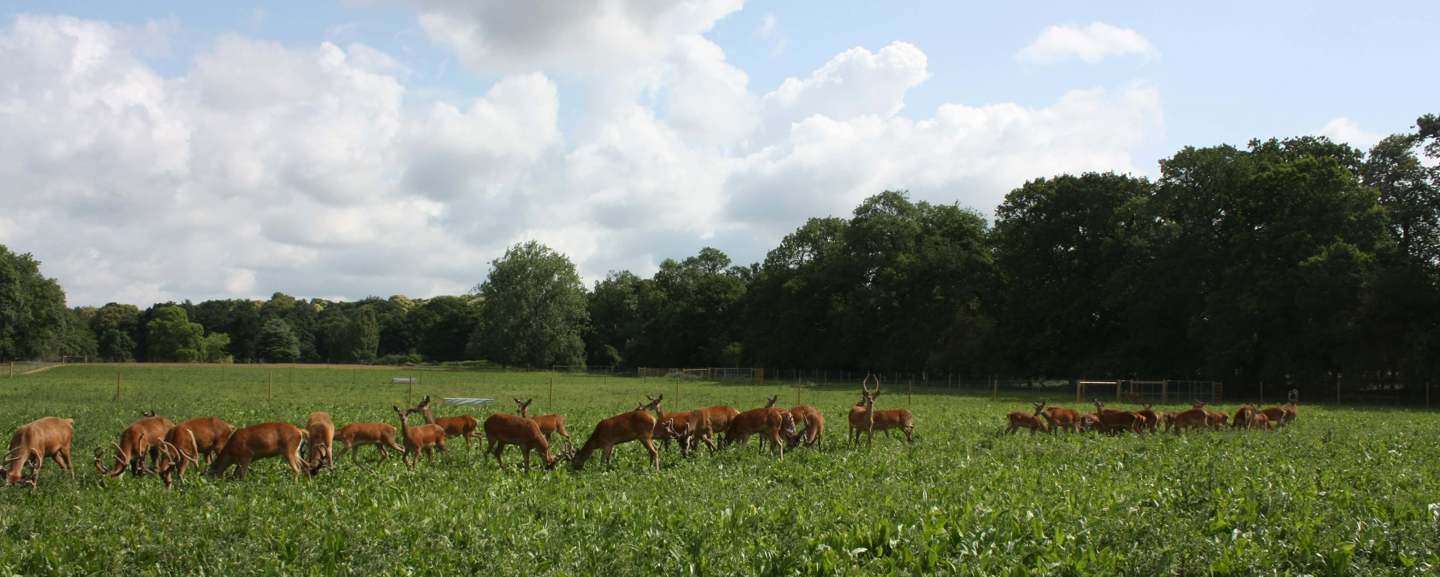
154, 444
1114, 421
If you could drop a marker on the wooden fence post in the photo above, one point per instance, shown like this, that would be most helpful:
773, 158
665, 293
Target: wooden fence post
269, 385
117, 383
994, 388
552, 390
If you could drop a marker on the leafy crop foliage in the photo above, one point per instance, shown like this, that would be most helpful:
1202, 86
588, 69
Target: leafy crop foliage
1341, 492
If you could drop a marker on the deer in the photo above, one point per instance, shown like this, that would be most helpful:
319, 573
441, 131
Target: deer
773, 424
1194, 417
261, 441
381, 435
864, 418
1215, 420
1038, 421
713, 419
141, 439
1260, 421
187, 443
1065, 419
1281, 415
1114, 420
32, 442
460, 426
322, 441
503, 429
1152, 419
814, 422
632, 425
1243, 416
424, 438
552, 423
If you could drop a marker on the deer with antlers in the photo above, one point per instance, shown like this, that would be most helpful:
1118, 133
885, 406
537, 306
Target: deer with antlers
322, 440
379, 435
261, 442
634, 425
502, 430
425, 438
774, 425
137, 442
188, 443
865, 419
552, 423
32, 442
458, 426
1037, 421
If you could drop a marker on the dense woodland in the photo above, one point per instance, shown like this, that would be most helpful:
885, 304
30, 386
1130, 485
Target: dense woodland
1296, 261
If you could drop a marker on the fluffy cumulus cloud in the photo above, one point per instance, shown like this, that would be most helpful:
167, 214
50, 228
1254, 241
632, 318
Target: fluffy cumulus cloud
323, 170
1089, 44
1343, 129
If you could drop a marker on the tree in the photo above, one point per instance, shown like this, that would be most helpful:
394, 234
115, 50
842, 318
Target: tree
79, 340
115, 326
616, 326
441, 326
172, 337
534, 312
277, 343
32, 308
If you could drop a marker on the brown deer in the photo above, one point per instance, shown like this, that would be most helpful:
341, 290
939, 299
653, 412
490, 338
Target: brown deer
718, 416
552, 423
1152, 419
141, 439
381, 435
322, 441
1064, 419
814, 422
864, 418
633, 425
32, 442
1193, 418
460, 426
1115, 421
1216, 420
773, 424
1281, 415
1243, 415
1260, 421
188, 442
503, 429
1037, 421
260, 442
424, 438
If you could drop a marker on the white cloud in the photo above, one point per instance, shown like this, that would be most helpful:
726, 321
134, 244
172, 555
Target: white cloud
769, 30
325, 170
1090, 44
1342, 129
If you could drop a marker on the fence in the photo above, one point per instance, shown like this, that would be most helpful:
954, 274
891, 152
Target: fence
1149, 391
718, 374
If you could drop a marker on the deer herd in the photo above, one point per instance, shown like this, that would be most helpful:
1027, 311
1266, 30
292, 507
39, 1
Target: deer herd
155, 444
1114, 421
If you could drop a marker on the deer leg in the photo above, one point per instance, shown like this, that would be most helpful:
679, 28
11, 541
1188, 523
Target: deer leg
526, 452
293, 459
497, 451
606, 455
35, 473
654, 454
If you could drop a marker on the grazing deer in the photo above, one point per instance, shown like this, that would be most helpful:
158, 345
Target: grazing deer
32, 442
381, 435
460, 426
1260, 421
188, 442
322, 441
553, 423
636, 424
814, 422
1152, 419
1193, 418
1037, 421
260, 442
141, 439
1281, 415
774, 425
503, 429
1064, 419
424, 438
719, 417
1115, 421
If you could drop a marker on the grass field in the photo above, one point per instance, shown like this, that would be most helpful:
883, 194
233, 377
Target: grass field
1341, 492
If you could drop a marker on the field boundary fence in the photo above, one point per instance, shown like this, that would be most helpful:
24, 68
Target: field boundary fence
1162, 391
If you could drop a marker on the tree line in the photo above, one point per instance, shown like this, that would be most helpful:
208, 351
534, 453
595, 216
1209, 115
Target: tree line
1298, 262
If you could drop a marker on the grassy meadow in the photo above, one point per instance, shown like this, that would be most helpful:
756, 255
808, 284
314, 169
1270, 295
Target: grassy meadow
1341, 492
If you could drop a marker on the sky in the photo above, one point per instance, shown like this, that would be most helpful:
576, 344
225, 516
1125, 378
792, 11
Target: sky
163, 150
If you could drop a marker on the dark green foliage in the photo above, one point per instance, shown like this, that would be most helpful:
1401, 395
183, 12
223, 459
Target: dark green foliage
534, 310
172, 337
32, 309
277, 343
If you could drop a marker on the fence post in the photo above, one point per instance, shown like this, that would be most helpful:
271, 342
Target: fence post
1338, 376
1165, 391
910, 393
117, 383
12, 369
552, 390
269, 385
994, 388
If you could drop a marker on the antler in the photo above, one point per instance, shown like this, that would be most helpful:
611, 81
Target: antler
864, 383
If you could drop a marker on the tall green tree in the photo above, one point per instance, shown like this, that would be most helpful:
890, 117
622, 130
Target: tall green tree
276, 343
32, 309
172, 337
442, 325
534, 313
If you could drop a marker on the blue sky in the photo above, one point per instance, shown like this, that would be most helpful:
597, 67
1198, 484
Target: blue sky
619, 133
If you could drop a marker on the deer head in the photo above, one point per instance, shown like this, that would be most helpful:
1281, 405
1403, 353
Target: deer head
1040, 406
771, 402
654, 404
524, 406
